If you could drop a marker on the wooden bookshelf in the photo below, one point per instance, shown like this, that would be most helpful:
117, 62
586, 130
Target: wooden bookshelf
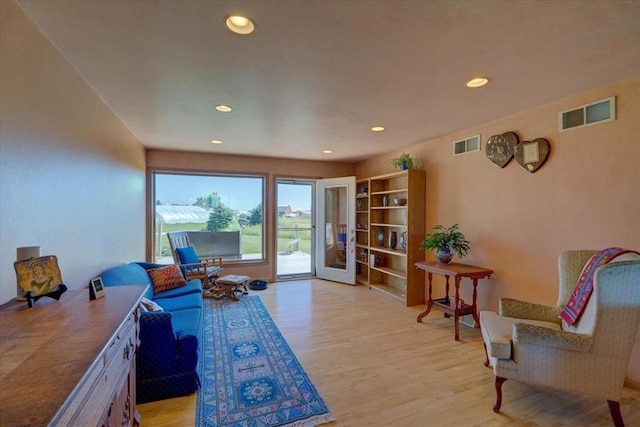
392, 270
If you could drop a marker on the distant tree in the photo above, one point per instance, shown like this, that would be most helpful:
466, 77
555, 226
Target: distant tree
220, 218
208, 202
158, 203
255, 215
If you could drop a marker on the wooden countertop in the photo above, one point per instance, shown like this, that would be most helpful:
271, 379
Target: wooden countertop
46, 351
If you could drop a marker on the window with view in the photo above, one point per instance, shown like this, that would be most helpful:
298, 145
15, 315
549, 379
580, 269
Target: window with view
223, 214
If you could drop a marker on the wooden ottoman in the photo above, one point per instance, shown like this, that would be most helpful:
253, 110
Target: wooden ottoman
228, 286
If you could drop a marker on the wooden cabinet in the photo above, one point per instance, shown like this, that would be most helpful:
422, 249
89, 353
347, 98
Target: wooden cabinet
395, 226
70, 362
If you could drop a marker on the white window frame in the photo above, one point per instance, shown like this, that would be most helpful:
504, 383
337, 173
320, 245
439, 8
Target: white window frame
154, 198
612, 114
465, 141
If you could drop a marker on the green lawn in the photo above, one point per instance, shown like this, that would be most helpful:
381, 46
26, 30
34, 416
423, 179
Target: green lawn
252, 235
286, 236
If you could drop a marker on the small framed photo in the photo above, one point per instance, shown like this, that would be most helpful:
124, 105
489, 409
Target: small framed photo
96, 288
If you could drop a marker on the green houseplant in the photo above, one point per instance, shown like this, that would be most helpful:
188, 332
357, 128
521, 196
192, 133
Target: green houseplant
446, 241
404, 161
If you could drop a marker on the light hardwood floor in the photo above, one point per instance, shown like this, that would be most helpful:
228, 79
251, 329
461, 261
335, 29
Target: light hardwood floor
374, 365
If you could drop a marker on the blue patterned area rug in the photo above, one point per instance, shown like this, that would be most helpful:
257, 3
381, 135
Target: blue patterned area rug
249, 374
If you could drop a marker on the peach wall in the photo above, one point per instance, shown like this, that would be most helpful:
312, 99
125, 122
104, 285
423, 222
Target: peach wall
272, 168
71, 174
586, 196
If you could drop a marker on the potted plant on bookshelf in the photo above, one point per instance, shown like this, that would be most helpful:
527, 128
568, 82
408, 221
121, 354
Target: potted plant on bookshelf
404, 161
445, 242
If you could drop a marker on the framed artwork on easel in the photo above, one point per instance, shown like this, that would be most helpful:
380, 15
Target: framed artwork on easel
39, 277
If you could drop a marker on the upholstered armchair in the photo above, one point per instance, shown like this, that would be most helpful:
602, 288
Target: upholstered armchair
531, 343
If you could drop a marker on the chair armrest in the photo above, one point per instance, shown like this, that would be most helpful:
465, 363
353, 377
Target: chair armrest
158, 346
195, 269
527, 310
193, 265
212, 262
155, 324
545, 337
203, 264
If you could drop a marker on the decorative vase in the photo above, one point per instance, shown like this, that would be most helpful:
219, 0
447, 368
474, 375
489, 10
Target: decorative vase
403, 241
444, 256
393, 240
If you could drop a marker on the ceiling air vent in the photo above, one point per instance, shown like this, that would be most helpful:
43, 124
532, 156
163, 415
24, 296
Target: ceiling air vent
467, 145
589, 114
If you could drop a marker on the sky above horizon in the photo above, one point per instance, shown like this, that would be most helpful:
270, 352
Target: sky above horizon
237, 193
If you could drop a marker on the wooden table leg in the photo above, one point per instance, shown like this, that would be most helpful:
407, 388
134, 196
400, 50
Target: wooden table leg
429, 301
474, 307
446, 292
446, 288
456, 314
225, 290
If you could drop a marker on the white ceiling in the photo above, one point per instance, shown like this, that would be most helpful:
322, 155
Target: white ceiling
318, 74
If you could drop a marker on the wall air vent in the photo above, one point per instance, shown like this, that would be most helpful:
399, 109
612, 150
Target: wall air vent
589, 114
467, 145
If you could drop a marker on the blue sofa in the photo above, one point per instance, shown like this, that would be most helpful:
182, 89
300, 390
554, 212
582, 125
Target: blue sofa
166, 361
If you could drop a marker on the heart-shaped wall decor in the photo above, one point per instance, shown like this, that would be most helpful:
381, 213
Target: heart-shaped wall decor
500, 148
530, 155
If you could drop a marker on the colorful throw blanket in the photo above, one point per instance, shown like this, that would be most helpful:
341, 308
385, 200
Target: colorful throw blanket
584, 287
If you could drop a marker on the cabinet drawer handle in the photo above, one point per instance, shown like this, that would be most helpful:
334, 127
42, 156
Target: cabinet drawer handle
128, 350
126, 414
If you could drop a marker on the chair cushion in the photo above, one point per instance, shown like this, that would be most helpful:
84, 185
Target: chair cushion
497, 332
186, 322
165, 278
187, 255
193, 287
180, 303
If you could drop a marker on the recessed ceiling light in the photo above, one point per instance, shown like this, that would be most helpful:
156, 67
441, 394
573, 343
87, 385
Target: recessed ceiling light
239, 24
216, 141
377, 128
477, 82
223, 108
327, 151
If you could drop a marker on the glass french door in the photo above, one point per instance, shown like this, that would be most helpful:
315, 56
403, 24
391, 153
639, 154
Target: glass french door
295, 233
335, 226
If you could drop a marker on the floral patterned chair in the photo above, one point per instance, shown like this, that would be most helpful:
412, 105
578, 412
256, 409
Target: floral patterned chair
531, 343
